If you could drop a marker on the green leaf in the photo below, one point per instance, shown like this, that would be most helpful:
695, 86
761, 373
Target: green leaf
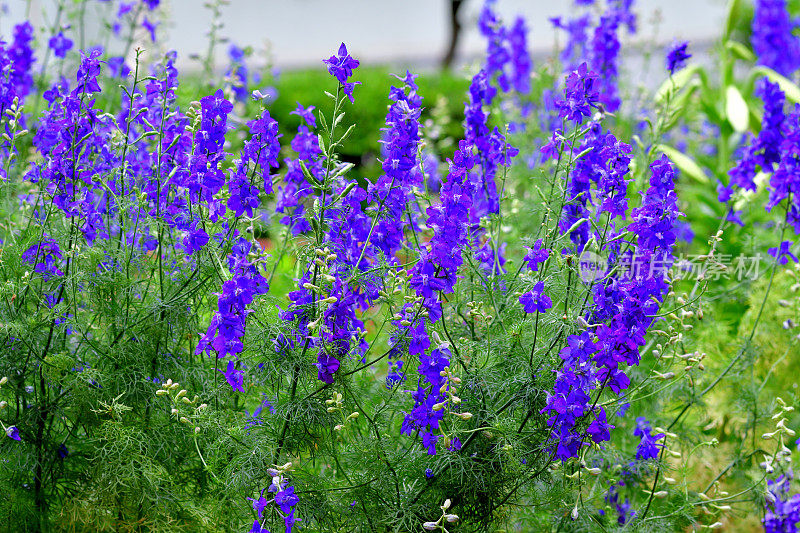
740, 50
736, 109
789, 88
734, 7
676, 81
685, 163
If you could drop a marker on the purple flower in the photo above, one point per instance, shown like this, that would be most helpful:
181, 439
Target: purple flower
783, 511
234, 376
237, 73
599, 429
648, 446
536, 300
783, 253
536, 255
580, 95
60, 44
341, 67
13, 433
773, 37
575, 50
327, 365
150, 27
677, 56
306, 113
45, 256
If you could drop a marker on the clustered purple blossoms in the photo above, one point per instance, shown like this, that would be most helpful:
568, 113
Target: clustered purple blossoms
507, 50
187, 182
783, 511
646, 450
773, 151
284, 499
624, 301
604, 46
774, 41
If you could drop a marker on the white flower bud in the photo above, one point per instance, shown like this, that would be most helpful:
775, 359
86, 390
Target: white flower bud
3, 380
451, 518
430, 526
446, 504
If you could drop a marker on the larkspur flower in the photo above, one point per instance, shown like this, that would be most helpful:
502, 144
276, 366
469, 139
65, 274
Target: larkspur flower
677, 56
782, 511
773, 37
150, 26
60, 44
783, 253
574, 52
13, 433
580, 95
341, 67
234, 376
45, 256
648, 447
536, 255
536, 301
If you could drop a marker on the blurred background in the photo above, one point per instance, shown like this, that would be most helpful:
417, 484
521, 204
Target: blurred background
298, 33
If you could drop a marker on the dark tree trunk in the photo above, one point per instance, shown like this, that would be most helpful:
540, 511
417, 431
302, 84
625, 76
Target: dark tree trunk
455, 32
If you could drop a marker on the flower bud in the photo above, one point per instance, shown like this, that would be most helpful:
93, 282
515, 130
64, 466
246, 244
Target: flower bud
451, 517
3, 380
430, 526
446, 504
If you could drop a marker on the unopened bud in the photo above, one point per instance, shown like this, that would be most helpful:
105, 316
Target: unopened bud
3, 380
430, 526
